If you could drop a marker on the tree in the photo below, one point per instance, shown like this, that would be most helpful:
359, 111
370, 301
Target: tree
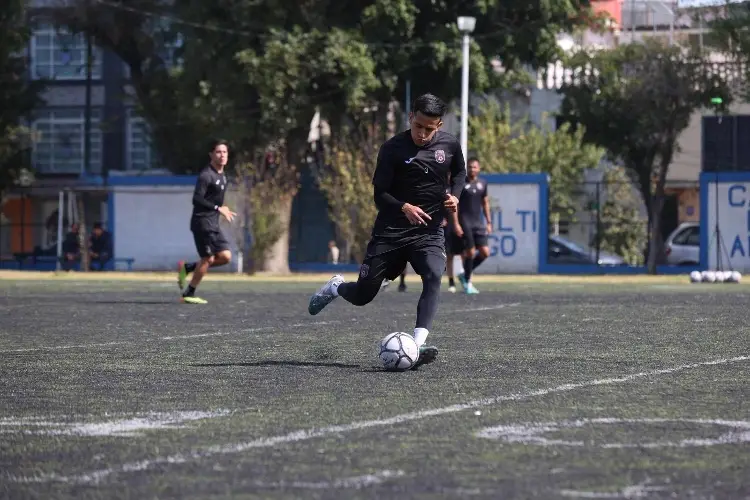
18, 96
420, 42
257, 227
729, 33
619, 228
346, 181
260, 70
634, 101
520, 147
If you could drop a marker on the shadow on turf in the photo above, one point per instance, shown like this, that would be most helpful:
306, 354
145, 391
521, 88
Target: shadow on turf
144, 302
278, 363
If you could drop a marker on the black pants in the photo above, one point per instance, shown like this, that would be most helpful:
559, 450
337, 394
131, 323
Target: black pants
388, 259
98, 263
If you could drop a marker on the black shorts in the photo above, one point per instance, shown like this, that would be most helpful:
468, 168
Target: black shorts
453, 244
475, 238
209, 242
388, 259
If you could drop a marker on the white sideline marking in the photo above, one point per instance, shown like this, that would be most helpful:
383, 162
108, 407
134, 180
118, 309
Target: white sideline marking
305, 435
356, 482
220, 334
484, 308
635, 491
133, 426
532, 433
161, 339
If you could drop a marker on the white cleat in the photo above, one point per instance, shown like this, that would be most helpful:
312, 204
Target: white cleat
452, 289
325, 295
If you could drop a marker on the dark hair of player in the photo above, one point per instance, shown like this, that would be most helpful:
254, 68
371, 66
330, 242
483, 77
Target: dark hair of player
472, 159
429, 105
217, 142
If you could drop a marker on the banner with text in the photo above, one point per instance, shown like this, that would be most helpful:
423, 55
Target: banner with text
732, 240
516, 225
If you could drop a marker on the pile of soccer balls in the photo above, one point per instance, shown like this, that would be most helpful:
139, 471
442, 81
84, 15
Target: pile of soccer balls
398, 351
715, 277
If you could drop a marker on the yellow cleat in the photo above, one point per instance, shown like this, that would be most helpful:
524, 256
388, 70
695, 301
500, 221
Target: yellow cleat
194, 300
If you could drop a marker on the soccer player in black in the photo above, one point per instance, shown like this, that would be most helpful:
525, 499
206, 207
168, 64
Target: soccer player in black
475, 224
208, 204
412, 196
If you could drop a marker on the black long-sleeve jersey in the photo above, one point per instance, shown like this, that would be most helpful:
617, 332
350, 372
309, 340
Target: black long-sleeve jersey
208, 197
407, 173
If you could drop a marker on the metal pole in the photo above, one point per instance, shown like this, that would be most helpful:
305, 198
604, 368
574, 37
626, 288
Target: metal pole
87, 119
465, 96
407, 104
598, 222
60, 210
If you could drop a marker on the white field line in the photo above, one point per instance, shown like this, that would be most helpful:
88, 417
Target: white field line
130, 426
356, 482
308, 434
220, 334
139, 341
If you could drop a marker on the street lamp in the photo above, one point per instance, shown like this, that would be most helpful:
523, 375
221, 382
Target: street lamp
466, 27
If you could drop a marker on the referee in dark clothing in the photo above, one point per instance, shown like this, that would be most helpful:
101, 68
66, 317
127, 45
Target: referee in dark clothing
208, 203
413, 199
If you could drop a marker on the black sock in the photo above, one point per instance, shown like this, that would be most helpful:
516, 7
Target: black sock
468, 267
477, 260
189, 292
428, 301
451, 282
402, 280
189, 268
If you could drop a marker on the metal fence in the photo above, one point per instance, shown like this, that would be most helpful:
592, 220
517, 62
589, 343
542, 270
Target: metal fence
610, 222
33, 223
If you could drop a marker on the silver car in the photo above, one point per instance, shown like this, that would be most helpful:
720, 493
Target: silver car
682, 247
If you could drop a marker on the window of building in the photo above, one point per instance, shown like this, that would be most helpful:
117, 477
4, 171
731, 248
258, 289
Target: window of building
59, 55
59, 142
140, 150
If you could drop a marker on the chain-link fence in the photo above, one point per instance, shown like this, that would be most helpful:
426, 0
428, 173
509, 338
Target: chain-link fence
609, 225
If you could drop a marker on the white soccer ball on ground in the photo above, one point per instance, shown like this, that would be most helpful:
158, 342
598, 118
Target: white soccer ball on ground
735, 277
695, 277
709, 276
398, 351
719, 276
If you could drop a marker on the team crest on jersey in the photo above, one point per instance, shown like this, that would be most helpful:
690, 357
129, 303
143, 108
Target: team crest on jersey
364, 270
479, 185
440, 156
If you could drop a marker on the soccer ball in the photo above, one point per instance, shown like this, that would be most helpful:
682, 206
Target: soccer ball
735, 277
398, 351
709, 276
695, 277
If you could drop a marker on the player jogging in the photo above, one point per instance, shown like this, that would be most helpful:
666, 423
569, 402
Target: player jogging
208, 203
475, 223
410, 185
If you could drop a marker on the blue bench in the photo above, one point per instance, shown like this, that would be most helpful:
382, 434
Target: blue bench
49, 263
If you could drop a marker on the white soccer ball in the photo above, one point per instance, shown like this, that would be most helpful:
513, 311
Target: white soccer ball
709, 276
398, 351
735, 277
720, 277
695, 277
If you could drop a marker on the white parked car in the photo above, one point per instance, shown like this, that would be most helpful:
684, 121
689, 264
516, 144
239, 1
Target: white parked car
682, 247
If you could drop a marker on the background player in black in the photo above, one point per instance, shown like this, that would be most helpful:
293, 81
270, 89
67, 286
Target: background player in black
413, 200
475, 223
208, 204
